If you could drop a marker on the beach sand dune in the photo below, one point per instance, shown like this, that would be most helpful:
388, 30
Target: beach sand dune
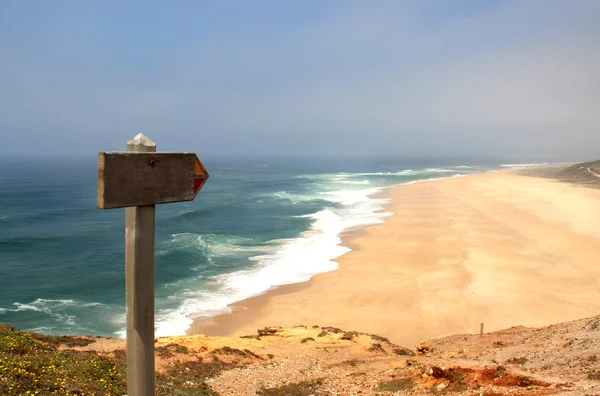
498, 248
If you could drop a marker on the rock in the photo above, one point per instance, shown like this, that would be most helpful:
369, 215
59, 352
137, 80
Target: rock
437, 372
268, 331
423, 349
349, 335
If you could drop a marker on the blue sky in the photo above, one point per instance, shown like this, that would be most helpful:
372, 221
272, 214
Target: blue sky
504, 79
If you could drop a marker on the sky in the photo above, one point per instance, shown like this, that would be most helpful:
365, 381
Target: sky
518, 80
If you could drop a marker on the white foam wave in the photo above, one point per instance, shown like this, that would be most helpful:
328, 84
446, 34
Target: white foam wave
297, 198
362, 182
342, 176
214, 245
528, 165
42, 305
58, 310
286, 261
24, 307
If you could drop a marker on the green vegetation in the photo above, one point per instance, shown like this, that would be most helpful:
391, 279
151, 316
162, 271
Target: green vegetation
500, 371
456, 377
520, 360
403, 352
523, 381
33, 364
29, 366
303, 388
396, 385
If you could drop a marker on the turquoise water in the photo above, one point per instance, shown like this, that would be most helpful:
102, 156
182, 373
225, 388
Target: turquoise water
255, 225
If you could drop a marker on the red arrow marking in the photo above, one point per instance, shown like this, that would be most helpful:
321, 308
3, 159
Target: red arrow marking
198, 184
201, 176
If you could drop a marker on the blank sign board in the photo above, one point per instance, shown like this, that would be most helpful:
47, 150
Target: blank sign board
128, 179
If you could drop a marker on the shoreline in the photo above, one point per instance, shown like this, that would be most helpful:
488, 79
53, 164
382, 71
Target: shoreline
498, 248
242, 311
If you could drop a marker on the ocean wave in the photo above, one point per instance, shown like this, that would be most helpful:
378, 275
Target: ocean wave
213, 245
44, 305
61, 311
283, 261
362, 182
344, 176
296, 198
528, 165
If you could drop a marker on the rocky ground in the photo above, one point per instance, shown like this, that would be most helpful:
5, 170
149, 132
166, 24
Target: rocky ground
561, 359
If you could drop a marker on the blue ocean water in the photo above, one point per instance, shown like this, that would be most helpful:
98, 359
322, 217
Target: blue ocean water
255, 225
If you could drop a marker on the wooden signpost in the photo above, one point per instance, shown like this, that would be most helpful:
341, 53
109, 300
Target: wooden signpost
138, 180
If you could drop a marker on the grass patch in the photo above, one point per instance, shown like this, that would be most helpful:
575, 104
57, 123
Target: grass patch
68, 341
403, 352
376, 348
33, 364
523, 381
456, 377
396, 385
519, 360
236, 352
28, 364
500, 371
303, 388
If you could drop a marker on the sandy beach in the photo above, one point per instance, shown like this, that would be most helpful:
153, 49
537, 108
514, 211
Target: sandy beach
497, 248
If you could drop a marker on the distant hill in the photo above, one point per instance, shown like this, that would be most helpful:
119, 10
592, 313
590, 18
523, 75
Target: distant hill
585, 173
582, 173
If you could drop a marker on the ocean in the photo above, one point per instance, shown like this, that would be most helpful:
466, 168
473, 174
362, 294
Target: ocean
255, 225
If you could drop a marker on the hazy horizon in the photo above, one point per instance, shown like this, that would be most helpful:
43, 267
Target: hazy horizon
514, 81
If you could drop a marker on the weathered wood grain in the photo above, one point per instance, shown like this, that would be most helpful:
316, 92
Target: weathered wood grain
127, 179
139, 288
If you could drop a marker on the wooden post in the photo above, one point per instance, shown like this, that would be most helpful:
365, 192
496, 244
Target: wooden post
139, 288
137, 180
481, 329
